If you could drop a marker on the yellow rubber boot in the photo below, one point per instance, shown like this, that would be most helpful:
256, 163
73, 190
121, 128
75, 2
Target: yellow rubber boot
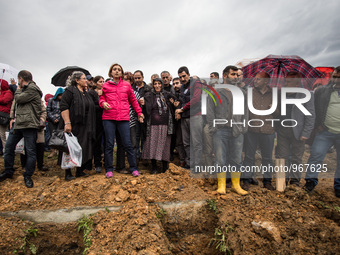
235, 180
221, 182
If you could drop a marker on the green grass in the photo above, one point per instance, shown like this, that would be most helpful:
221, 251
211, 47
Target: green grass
30, 232
221, 237
85, 224
213, 205
160, 214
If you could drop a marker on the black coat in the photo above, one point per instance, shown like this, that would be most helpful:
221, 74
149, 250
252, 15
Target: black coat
82, 121
149, 98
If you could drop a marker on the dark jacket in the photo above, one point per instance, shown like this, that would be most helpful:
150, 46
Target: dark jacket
53, 106
191, 98
225, 112
170, 89
146, 88
305, 123
27, 107
321, 100
99, 111
82, 117
149, 98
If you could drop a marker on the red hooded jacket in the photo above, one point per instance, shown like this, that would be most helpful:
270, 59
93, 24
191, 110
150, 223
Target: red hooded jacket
6, 97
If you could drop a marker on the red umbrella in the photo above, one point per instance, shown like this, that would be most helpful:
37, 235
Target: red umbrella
278, 67
327, 71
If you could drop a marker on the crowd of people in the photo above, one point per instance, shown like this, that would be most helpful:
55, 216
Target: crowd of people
150, 122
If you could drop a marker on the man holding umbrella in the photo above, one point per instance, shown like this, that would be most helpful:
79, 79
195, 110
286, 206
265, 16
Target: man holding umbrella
291, 138
25, 122
327, 124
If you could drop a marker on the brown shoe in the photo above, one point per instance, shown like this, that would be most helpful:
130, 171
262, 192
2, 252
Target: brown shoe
268, 186
246, 186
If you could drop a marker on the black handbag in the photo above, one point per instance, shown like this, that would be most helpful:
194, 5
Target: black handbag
58, 141
4, 118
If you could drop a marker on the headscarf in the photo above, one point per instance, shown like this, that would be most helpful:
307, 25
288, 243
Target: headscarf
58, 92
160, 100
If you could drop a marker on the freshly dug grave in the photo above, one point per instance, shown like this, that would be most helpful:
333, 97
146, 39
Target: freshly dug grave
263, 222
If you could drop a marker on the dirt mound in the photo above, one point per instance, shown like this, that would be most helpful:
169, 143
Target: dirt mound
169, 213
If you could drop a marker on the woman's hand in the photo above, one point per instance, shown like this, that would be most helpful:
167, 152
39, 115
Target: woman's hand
11, 123
106, 106
141, 118
68, 127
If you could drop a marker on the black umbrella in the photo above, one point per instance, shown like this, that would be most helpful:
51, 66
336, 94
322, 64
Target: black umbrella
60, 78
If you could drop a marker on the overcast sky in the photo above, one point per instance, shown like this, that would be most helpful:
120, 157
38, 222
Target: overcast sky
45, 36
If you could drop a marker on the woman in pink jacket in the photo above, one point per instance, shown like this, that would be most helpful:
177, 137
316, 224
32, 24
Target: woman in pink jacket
117, 94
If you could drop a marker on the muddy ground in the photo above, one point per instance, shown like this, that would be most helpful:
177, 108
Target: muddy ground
263, 222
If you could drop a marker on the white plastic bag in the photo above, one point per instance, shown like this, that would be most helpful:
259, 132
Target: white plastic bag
20, 147
74, 157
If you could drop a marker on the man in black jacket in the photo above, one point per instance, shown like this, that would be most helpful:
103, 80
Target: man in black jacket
327, 108
191, 123
141, 87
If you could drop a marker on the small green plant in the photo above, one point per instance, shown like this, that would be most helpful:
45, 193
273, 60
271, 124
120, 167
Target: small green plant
337, 208
107, 209
25, 241
85, 225
221, 238
323, 205
160, 214
213, 205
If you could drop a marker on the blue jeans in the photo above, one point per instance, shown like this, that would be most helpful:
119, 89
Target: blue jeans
30, 138
123, 128
266, 144
228, 149
322, 142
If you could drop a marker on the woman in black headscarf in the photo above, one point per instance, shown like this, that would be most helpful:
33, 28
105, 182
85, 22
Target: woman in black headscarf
158, 112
